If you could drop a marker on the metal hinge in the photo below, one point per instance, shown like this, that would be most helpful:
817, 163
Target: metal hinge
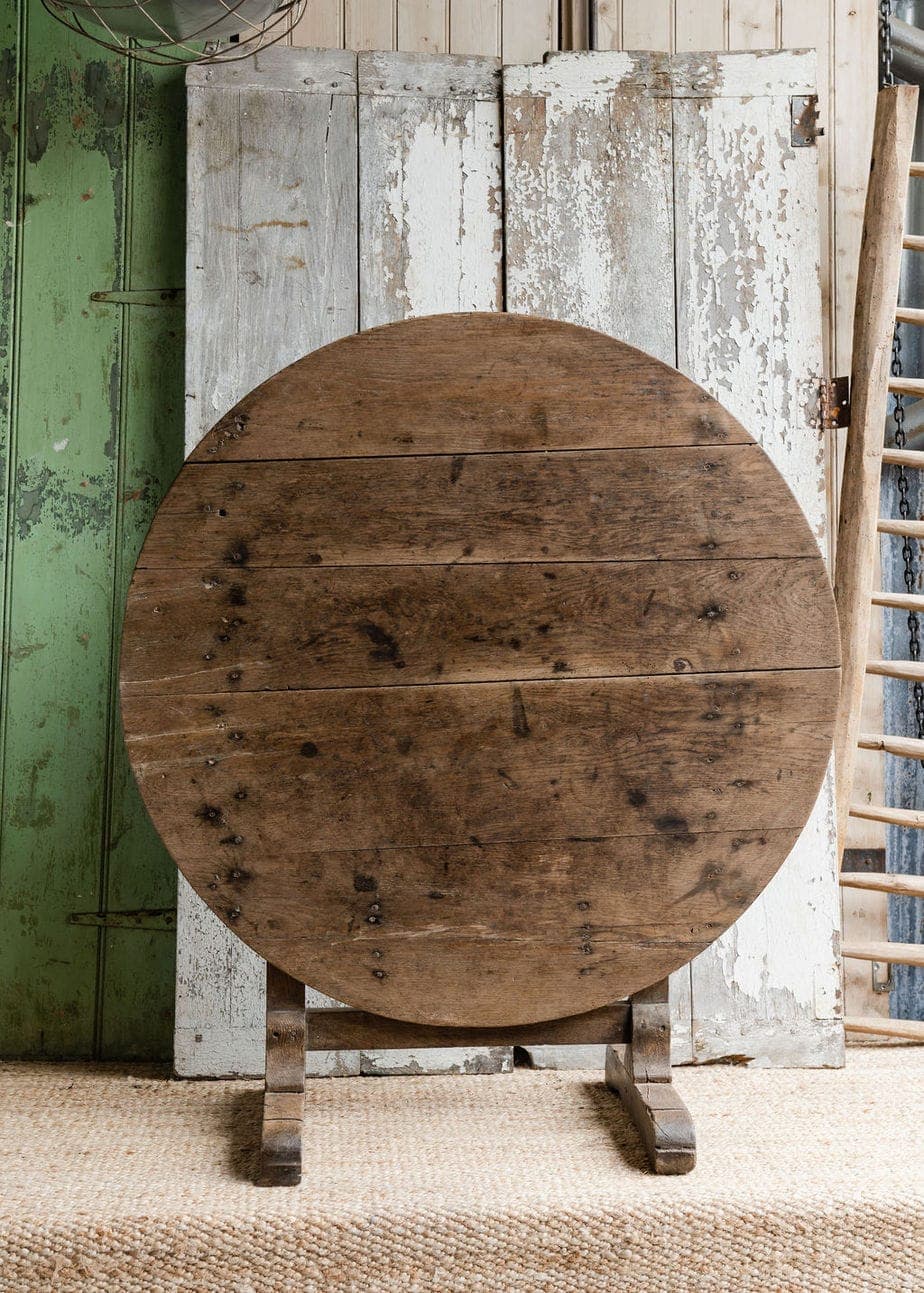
804, 127
163, 918
881, 985
834, 402
143, 296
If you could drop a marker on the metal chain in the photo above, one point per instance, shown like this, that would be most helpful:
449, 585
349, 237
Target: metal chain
887, 77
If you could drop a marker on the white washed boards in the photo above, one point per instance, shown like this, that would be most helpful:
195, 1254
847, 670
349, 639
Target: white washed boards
658, 199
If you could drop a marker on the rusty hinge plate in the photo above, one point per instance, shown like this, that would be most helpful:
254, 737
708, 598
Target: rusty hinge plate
804, 127
145, 918
834, 402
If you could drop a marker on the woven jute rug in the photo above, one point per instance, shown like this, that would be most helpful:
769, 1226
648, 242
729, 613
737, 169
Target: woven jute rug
123, 1179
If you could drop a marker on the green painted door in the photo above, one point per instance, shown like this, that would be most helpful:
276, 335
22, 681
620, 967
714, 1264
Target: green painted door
91, 398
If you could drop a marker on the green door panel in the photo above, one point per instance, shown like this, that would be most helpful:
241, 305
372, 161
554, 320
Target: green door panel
93, 433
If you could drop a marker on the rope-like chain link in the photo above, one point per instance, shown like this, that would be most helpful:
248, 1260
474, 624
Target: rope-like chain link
887, 77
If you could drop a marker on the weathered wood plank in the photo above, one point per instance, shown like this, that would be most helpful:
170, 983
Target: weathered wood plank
744, 75
430, 167
874, 326
402, 890
605, 258
342, 1029
540, 390
64, 133
749, 330
577, 247
479, 508
311, 71
430, 241
347, 627
254, 302
515, 761
263, 231
138, 968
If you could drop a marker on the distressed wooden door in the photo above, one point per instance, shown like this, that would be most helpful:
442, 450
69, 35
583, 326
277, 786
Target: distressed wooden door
656, 198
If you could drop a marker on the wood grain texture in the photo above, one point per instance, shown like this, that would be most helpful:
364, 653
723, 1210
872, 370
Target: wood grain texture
430, 240
254, 302
575, 128
284, 1094
345, 1029
264, 231
615, 278
500, 761
406, 823
749, 329
800, 466
874, 325
438, 116
355, 627
640, 1073
430, 166
547, 388
479, 508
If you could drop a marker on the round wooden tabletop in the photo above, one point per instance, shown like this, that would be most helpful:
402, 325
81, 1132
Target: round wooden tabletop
479, 669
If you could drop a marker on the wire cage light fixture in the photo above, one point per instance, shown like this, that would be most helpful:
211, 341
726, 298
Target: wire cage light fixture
169, 32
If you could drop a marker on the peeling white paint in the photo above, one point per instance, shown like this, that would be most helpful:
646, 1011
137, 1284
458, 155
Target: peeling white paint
749, 330
595, 149
416, 162
594, 142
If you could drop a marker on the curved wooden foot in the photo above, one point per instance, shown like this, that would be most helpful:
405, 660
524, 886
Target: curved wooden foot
284, 1098
640, 1074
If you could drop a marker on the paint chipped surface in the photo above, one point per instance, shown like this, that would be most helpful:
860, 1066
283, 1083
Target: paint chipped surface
429, 206
749, 330
587, 153
429, 240
745, 257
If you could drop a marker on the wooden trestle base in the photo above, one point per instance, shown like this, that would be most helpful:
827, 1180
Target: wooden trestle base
637, 1034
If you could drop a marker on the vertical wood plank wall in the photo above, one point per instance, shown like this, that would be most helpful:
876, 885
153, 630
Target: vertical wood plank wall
91, 188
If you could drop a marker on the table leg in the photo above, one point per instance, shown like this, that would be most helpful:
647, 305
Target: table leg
284, 1097
640, 1074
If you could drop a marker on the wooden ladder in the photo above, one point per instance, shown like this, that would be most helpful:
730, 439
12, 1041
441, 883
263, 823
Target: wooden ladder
860, 524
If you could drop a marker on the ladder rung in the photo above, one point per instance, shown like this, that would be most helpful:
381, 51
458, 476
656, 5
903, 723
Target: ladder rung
904, 457
900, 601
895, 525
906, 747
887, 953
904, 314
892, 816
909, 670
916, 169
912, 886
911, 1029
906, 385
913, 242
